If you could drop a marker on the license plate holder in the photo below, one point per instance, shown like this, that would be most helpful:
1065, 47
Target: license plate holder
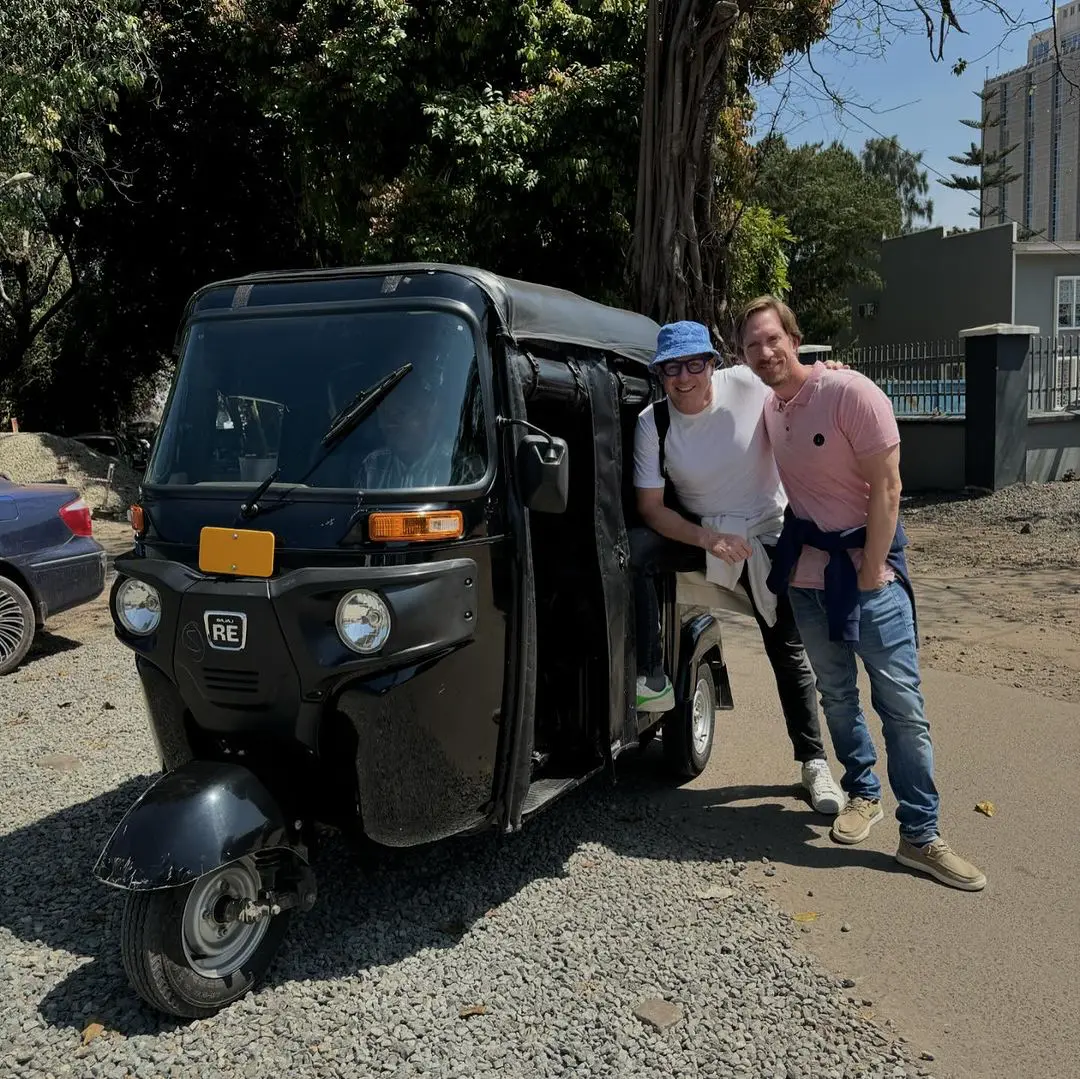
238, 552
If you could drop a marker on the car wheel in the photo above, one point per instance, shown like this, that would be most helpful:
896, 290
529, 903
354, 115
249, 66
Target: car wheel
17, 625
184, 957
688, 732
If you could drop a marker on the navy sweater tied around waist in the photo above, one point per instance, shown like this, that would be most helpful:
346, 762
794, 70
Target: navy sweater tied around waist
841, 578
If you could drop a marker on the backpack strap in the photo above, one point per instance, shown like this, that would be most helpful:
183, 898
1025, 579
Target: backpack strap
662, 419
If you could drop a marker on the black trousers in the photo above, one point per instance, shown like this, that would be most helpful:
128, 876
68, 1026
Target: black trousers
652, 554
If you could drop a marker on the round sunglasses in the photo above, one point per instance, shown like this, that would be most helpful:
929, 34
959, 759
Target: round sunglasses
695, 365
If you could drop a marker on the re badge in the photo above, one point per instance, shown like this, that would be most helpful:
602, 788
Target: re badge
226, 630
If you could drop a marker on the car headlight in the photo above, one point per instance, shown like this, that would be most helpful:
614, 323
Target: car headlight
138, 606
363, 621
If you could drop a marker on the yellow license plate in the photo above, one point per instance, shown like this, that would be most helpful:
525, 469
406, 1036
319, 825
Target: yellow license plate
237, 551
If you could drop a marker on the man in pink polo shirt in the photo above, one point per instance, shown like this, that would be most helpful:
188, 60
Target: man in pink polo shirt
840, 558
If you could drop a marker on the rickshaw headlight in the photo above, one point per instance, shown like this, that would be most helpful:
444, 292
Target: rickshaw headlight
138, 606
363, 621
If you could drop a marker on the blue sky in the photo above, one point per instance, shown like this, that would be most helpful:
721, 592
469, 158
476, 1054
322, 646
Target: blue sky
904, 92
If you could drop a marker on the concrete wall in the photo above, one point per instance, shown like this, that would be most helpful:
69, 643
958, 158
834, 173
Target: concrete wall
1035, 297
1053, 447
931, 454
932, 451
935, 285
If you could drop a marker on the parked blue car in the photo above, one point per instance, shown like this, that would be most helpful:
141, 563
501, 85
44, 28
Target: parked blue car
49, 561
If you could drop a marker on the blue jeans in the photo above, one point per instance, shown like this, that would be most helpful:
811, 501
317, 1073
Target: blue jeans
886, 646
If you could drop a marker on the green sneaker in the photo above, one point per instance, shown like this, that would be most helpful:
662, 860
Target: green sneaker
655, 700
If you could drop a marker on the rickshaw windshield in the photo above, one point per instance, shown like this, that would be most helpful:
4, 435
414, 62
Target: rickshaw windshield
255, 394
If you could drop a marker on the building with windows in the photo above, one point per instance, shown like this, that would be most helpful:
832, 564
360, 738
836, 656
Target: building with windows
935, 284
1033, 113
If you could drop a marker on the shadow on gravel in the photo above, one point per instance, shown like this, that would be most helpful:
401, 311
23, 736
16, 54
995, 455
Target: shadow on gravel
49, 644
49, 897
379, 909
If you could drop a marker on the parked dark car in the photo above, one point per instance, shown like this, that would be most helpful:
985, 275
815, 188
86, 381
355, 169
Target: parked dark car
106, 442
49, 561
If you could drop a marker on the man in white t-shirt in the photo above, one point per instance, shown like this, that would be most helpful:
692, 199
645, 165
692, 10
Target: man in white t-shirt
711, 498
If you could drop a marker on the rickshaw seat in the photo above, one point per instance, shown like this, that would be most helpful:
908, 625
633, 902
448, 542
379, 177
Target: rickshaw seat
695, 590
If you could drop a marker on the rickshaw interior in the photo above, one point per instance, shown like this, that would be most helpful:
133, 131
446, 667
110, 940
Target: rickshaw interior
576, 722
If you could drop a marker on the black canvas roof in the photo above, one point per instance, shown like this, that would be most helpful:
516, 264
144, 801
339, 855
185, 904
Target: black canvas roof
531, 313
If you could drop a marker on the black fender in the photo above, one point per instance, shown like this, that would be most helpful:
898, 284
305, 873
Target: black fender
190, 822
701, 641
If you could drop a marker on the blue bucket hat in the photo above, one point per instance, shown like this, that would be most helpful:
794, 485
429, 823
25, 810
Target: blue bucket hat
678, 340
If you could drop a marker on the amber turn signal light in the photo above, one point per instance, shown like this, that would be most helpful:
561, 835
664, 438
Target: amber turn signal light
416, 525
137, 519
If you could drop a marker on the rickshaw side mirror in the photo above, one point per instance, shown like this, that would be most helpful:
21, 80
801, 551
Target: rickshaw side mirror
544, 473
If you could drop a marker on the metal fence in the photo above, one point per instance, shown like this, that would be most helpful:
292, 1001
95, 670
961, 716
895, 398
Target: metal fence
922, 378
1055, 374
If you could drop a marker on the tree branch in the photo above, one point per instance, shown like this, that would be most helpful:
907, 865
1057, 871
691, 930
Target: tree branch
61, 301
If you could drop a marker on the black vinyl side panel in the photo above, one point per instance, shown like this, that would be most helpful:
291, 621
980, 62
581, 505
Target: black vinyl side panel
427, 733
612, 546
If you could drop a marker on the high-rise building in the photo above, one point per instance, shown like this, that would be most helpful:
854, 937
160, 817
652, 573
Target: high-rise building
1034, 111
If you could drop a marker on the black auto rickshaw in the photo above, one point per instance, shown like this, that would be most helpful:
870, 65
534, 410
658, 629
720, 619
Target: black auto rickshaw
380, 581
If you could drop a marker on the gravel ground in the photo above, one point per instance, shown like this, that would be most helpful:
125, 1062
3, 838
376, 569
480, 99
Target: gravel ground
998, 580
554, 938
44, 458
1033, 525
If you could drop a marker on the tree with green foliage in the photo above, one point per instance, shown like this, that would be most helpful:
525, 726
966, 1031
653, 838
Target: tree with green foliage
838, 213
995, 173
63, 64
758, 256
701, 56
887, 159
206, 193
600, 145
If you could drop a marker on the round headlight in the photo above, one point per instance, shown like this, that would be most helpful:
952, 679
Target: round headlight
363, 621
138, 606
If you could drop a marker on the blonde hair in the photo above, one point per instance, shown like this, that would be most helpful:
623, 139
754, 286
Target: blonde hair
766, 303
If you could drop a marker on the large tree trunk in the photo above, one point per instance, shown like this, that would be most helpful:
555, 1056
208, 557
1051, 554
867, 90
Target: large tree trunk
679, 257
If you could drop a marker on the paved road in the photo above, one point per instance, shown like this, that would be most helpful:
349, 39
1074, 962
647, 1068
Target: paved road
985, 982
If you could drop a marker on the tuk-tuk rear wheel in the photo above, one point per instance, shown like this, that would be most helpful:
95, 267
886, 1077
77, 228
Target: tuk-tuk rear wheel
182, 957
688, 731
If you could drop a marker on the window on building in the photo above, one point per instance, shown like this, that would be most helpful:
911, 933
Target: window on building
1054, 185
1068, 303
1029, 168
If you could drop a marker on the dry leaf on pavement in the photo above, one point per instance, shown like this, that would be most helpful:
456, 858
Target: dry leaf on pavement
92, 1031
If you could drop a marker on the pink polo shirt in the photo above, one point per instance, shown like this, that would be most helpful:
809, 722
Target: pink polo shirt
817, 438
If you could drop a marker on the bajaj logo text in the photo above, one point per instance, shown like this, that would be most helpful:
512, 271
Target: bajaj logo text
226, 630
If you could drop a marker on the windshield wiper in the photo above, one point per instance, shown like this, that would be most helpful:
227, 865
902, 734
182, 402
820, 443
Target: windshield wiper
347, 420
362, 405
249, 508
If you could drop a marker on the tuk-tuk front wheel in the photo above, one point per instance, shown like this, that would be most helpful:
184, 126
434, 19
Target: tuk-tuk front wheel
185, 955
688, 732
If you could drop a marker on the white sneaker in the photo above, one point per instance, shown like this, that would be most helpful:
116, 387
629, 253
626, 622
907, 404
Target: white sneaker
825, 793
655, 700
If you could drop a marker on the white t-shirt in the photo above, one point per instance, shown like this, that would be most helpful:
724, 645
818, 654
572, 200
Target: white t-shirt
719, 460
